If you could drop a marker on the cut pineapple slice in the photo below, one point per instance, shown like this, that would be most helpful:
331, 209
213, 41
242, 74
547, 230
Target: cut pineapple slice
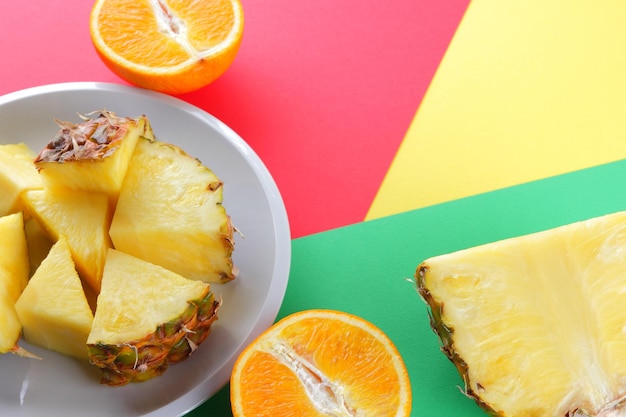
92, 155
170, 213
17, 174
13, 278
536, 325
53, 309
83, 218
146, 318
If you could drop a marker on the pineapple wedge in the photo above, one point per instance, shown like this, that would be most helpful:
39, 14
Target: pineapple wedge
146, 319
170, 213
14, 263
17, 174
83, 218
92, 155
53, 309
536, 324
13, 278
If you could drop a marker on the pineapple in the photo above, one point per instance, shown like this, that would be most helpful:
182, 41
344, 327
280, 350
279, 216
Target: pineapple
170, 213
13, 278
83, 218
17, 174
53, 309
92, 155
10, 326
146, 318
14, 263
536, 324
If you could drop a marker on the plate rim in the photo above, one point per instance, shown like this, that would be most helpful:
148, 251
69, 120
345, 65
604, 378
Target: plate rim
196, 396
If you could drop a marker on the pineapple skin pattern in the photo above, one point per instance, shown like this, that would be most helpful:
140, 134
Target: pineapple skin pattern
87, 158
535, 324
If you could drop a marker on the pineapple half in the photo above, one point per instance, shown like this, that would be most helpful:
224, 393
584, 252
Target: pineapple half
147, 318
92, 155
170, 213
536, 325
53, 309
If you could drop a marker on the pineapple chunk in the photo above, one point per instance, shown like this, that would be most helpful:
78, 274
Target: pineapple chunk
83, 218
13, 278
53, 309
170, 213
14, 263
146, 318
17, 174
536, 324
92, 155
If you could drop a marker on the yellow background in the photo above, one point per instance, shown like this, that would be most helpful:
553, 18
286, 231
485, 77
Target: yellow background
526, 90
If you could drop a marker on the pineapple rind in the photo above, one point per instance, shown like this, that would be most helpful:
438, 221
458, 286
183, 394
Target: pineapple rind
514, 314
173, 342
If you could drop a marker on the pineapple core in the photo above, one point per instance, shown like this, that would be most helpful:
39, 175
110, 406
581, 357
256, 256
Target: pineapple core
536, 325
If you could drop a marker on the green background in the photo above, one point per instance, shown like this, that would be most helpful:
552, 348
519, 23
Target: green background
367, 269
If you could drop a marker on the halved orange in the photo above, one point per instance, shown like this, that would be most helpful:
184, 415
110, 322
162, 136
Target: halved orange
320, 363
172, 46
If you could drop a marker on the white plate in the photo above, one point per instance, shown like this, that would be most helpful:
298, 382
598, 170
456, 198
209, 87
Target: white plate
60, 385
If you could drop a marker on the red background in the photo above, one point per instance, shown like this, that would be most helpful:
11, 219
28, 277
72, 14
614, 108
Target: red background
323, 90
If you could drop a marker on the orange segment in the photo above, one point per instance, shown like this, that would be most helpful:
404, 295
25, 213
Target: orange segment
173, 46
321, 363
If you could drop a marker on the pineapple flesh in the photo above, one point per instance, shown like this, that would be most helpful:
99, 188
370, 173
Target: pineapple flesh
536, 324
17, 174
170, 213
147, 318
53, 308
83, 218
92, 155
14, 264
14, 271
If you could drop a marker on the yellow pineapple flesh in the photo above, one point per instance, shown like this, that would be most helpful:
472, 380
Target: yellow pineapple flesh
92, 155
10, 326
147, 318
170, 213
53, 309
14, 271
17, 174
536, 324
83, 218
14, 263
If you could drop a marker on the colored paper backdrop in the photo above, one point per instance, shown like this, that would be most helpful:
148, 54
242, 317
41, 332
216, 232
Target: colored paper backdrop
396, 131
